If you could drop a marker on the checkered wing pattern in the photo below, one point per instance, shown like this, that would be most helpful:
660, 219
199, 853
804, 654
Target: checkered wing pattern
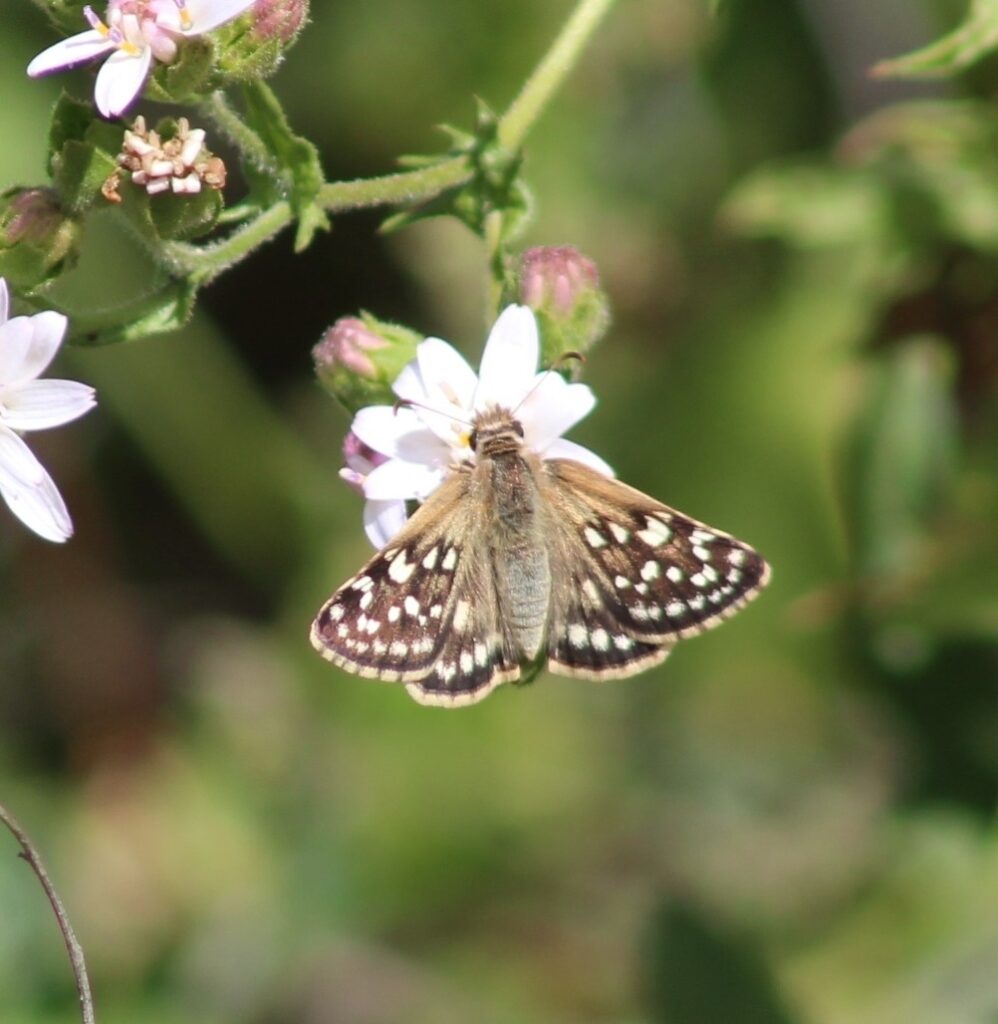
632, 576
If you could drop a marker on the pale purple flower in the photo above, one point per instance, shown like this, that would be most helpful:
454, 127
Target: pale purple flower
135, 33
27, 346
424, 441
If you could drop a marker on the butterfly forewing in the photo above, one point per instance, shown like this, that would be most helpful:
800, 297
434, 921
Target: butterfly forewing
420, 612
635, 571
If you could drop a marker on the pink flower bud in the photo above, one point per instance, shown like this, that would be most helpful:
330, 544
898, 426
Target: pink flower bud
562, 287
556, 277
358, 359
279, 19
345, 344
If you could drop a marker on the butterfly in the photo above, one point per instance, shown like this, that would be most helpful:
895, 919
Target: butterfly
514, 561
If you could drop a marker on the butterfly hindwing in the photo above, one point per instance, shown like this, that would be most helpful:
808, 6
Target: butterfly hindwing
637, 570
419, 612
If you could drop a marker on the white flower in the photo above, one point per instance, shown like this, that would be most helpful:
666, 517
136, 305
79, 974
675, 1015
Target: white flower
425, 440
27, 346
136, 32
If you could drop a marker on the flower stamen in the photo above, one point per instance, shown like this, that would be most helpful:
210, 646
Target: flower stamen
95, 23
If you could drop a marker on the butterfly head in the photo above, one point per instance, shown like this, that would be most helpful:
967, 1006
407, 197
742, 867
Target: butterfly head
495, 431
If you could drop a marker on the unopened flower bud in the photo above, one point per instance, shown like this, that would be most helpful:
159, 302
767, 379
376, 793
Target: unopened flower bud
259, 52
562, 287
358, 359
279, 19
37, 238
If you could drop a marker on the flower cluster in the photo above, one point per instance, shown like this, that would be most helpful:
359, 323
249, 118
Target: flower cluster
136, 33
27, 346
403, 454
179, 165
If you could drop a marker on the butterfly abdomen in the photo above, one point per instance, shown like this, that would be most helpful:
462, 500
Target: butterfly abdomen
520, 562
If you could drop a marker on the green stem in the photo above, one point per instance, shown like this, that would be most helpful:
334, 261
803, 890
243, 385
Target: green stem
235, 129
388, 189
553, 69
204, 263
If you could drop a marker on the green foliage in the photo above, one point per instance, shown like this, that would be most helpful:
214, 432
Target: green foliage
297, 157
975, 38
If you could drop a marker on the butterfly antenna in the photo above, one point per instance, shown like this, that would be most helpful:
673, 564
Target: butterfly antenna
408, 403
553, 368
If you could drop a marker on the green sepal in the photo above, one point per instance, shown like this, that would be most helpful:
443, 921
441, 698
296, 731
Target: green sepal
244, 55
295, 155
975, 38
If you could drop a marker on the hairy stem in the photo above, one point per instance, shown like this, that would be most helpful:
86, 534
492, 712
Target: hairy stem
204, 263
31, 855
553, 69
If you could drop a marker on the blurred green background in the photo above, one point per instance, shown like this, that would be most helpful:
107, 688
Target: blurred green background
793, 820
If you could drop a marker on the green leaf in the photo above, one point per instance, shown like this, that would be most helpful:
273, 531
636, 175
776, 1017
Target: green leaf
295, 156
806, 205
70, 120
166, 309
80, 170
965, 45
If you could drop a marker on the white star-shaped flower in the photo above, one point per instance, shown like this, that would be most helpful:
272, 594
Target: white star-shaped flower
422, 442
27, 346
136, 32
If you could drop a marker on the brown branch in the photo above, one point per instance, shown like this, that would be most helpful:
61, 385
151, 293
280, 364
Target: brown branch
30, 854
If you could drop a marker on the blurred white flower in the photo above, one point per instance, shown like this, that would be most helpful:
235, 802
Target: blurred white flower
420, 443
27, 346
136, 32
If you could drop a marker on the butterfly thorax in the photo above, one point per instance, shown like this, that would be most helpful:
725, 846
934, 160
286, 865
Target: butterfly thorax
506, 472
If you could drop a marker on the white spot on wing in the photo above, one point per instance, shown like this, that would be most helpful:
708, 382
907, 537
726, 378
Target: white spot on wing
400, 570
461, 610
650, 570
594, 538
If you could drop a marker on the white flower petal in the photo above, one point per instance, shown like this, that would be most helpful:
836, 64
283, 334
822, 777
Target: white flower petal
209, 14
38, 339
399, 433
15, 344
4, 302
120, 80
382, 520
69, 52
562, 449
40, 404
30, 492
553, 407
509, 361
441, 386
399, 480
